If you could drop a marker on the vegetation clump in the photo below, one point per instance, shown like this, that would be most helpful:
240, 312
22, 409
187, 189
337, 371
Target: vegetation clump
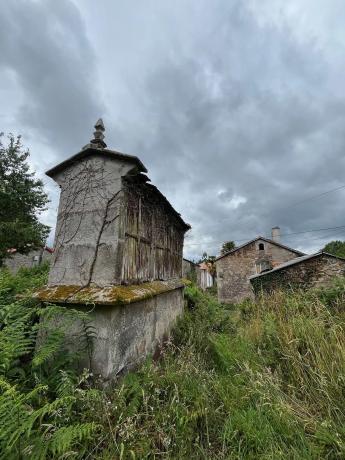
22, 199
227, 246
261, 380
336, 248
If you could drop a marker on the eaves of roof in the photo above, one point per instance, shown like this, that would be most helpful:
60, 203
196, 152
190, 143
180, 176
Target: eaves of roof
189, 261
112, 154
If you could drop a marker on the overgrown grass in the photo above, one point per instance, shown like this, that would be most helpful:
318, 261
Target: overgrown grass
260, 380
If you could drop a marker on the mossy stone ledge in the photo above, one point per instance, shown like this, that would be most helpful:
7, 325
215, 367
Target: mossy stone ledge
109, 295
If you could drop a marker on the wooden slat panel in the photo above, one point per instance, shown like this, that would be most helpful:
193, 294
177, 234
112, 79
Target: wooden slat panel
153, 239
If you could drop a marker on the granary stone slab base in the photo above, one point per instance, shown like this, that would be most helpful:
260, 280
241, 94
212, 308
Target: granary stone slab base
127, 332
109, 295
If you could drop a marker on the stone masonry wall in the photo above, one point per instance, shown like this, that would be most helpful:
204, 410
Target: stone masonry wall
315, 272
234, 270
32, 259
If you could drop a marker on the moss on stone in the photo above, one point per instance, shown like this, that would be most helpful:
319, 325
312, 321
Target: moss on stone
109, 295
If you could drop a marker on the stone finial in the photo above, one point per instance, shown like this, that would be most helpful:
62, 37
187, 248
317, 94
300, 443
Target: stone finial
98, 140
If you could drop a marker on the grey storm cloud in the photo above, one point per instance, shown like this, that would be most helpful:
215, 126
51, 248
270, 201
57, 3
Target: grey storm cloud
247, 126
44, 44
236, 108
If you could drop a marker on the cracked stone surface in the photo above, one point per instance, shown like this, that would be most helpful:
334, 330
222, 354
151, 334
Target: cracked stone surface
87, 232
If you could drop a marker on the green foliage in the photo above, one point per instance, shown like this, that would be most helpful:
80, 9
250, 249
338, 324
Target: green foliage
227, 246
40, 395
21, 198
337, 248
261, 380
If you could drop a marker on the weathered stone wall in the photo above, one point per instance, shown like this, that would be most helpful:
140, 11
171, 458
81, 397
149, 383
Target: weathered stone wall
86, 240
127, 334
314, 272
234, 270
32, 259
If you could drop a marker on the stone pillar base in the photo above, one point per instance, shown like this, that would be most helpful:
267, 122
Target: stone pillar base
129, 321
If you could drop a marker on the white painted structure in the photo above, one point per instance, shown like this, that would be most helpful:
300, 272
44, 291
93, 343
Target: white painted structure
205, 279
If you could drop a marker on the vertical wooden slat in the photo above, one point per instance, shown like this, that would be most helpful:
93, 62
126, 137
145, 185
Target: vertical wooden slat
154, 238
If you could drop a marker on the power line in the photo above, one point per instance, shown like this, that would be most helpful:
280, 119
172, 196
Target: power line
298, 202
321, 237
314, 197
286, 235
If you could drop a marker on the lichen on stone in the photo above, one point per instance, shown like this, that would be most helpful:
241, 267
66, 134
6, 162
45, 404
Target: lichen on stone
109, 295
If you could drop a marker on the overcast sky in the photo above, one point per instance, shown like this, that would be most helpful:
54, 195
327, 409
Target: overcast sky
237, 108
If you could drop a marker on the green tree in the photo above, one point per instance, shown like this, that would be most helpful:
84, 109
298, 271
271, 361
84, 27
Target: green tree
227, 246
22, 198
336, 248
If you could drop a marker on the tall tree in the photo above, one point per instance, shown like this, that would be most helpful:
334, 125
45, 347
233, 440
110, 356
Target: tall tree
22, 198
336, 248
226, 247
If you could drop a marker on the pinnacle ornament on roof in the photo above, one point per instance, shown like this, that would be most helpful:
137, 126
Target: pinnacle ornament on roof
98, 140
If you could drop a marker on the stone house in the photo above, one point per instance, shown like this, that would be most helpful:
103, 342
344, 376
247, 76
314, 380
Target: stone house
256, 256
303, 272
36, 257
118, 246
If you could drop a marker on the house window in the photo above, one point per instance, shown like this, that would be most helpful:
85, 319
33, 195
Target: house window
261, 247
263, 266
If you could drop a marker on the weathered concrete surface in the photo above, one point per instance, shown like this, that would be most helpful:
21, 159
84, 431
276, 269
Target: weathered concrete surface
302, 273
109, 295
87, 232
235, 268
126, 334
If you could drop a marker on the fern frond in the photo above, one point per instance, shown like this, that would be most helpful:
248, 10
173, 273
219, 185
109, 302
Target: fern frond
67, 383
66, 438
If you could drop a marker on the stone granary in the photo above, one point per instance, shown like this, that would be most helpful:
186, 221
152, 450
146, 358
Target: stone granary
304, 272
118, 246
256, 256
